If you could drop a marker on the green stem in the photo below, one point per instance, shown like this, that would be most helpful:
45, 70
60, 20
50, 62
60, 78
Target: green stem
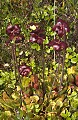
54, 54
54, 12
20, 82
36, 61
54, 24
14, 58
21, 98
43, 75
63, 64
16, 70
61, 80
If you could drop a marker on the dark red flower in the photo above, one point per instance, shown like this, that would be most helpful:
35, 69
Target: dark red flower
37, 38
63, 45
51, 43
7, 42
58, 45
40, 33
61, 27
13, 30
11, 37
64, 24
55, 44
18, 39
33, 37
24, 70
9, 29
17, 29
40, 40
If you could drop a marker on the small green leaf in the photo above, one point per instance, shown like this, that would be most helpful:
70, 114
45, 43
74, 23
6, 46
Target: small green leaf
48, 50
33, 27
74, 115
1, 81
74, 60
27, 53
63, 114
46, 41
32, 63
74, 48
25, 81
37, 106
69, 50
35, 46
46, 71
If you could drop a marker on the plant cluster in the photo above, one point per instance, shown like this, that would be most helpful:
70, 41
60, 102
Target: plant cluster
24, 70
14, 33
39, 60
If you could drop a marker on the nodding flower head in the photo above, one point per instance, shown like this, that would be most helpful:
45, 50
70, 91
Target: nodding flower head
58, 45
37, 36
24, 70
61, 27
55, 44
63, 45
13, 29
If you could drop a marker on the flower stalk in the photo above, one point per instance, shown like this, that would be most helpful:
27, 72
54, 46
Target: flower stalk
43, 72
54, 34
63, 64
14, 58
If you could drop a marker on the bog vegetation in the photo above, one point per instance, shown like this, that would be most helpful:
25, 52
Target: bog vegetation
39, 60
